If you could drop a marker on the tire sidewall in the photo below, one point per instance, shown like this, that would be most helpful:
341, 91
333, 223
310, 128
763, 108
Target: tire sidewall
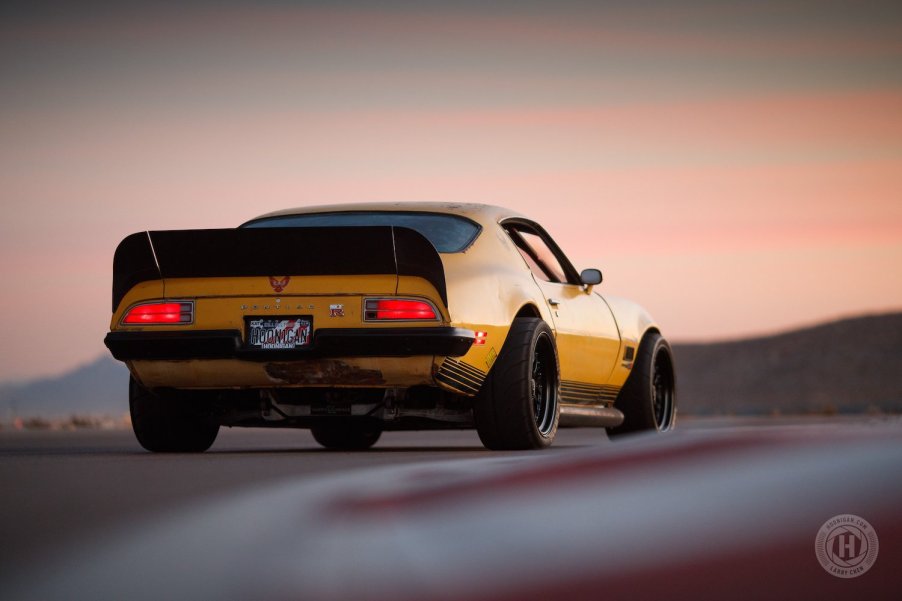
636, 400
661, 345
166, 423
543, 335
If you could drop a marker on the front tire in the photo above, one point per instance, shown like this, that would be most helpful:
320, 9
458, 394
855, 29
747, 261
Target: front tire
648, 399
170, 422
518, 407
346, 435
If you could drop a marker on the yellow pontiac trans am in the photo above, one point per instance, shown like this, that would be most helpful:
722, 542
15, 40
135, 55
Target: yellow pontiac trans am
354, 319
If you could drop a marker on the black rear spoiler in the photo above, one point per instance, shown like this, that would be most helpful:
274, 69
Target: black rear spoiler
376, 250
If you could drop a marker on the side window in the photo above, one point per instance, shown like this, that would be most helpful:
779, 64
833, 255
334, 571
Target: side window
534, 267
541, 259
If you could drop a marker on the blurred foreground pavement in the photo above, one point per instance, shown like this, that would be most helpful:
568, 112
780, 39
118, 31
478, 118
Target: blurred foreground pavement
703, 514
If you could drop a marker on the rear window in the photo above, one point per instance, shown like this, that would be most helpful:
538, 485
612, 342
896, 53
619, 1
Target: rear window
448, 233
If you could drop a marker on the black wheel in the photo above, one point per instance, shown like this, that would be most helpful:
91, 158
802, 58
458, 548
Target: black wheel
347, 435
648, 399
518, 406
171, 421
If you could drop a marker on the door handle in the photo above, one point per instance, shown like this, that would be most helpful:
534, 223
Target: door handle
554, 302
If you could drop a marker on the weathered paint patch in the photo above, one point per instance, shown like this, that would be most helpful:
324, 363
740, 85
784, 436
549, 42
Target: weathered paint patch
323, 372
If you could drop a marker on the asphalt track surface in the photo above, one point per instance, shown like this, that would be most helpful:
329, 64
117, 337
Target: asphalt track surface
720, 508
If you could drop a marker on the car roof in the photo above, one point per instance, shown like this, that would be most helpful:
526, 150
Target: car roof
480, 213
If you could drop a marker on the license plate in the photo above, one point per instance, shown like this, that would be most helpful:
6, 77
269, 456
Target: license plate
278, 333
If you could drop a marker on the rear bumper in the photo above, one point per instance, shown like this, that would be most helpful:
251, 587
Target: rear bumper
351, 342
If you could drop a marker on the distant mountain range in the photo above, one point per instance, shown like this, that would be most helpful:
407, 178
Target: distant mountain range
847, 366
98, 388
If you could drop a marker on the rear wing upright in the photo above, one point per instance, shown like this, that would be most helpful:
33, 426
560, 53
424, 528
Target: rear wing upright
243, 252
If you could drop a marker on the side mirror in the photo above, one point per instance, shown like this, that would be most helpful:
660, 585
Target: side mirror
590, 277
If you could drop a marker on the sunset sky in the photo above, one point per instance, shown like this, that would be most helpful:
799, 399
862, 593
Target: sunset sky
736, 167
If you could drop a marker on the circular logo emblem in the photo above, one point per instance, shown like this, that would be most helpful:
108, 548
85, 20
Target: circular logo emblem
846, 545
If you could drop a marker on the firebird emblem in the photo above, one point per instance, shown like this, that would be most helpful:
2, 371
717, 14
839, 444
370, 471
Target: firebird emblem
279, 284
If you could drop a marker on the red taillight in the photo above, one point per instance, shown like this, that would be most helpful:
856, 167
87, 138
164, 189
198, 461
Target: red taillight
159, 314
388, 309
480, 338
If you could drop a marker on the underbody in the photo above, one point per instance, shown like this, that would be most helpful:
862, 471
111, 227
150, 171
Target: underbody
415, 408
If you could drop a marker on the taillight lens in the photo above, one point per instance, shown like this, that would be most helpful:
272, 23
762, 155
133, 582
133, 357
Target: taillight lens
160, 314
379, 309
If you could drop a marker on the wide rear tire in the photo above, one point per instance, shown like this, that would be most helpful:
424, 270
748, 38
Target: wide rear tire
648, 399
519, 404
170, 422
346, 435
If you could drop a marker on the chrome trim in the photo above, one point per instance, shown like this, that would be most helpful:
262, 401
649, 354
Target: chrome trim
438, 314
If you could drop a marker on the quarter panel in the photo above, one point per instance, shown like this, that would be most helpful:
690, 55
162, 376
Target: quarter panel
488, 284
633, 322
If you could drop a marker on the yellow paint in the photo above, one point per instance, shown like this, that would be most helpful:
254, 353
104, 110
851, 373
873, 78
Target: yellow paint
588, 341
139, 293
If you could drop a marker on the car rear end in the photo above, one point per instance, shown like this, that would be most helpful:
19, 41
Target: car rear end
282, 307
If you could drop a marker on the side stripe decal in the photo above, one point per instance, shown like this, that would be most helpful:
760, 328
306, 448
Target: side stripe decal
577, 392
